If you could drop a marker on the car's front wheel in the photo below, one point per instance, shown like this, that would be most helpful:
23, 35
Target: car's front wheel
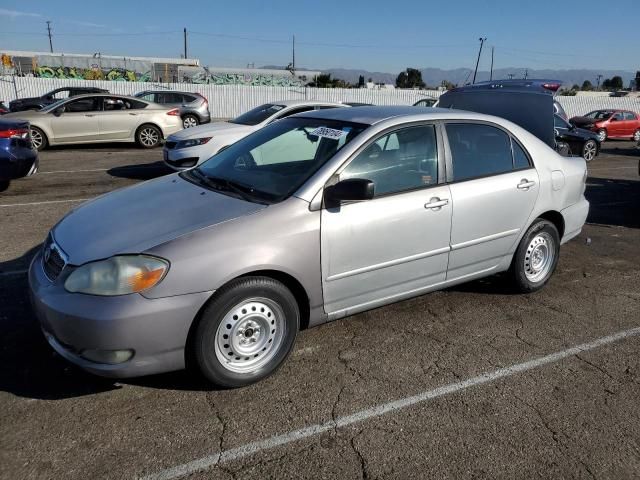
38, 138
148, 136
589, 150
189, 121
246, 332
536, 258
602, 135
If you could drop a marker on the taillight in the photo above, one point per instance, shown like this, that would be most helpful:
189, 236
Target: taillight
175, 112
15, 133
551, 86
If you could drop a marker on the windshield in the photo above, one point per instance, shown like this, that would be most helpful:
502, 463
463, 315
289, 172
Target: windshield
53, 106
272, 163
258, 114
600, 114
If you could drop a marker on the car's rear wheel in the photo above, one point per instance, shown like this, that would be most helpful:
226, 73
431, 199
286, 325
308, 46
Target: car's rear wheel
189, 121
589, 150
536, 258
636, 136
246, 331
38, 139
602, 135
148, 136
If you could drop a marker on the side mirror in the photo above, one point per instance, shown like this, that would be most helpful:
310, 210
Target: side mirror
58, 111
351, 189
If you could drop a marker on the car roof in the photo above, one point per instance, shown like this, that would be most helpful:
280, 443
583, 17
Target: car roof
168, 91
376, 114
103, 94
296, 103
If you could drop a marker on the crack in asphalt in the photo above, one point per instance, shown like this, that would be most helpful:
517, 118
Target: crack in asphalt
364, 471
597, 367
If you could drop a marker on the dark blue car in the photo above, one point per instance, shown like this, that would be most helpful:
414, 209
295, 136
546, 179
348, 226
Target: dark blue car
18, 158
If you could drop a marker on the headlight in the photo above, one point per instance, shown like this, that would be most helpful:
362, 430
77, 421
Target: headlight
118, 275
192, 142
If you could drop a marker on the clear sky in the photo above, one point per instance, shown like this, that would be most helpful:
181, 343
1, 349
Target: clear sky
376, 35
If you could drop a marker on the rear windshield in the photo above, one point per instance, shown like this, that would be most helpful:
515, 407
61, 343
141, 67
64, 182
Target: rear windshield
258, 114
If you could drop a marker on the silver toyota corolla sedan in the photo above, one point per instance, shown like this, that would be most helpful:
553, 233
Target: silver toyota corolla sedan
313, 218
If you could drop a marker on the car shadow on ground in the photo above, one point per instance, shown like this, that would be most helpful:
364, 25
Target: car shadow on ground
613, 202
124, 146
141, 171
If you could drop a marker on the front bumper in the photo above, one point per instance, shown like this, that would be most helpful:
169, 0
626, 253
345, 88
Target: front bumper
184, 158
156, 329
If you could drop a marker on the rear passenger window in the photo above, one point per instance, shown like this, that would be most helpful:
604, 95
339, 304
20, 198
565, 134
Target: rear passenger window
478, 150
629, 116
520, 159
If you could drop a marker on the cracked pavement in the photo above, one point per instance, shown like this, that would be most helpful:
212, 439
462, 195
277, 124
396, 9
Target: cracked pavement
577, 418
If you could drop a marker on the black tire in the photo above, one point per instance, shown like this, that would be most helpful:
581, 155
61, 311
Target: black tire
602, 135
189, 121
590, 150
148, 136
218, 319
39, 139
4, 185
523, 264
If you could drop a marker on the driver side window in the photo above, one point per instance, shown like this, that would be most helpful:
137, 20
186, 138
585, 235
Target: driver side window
91, 104
400, 161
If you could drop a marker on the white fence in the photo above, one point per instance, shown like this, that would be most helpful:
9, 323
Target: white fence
226, 101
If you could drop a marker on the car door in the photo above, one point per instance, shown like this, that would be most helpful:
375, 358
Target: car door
397, 243
616, 125
630, 124
76, 121
117, 120
494, 187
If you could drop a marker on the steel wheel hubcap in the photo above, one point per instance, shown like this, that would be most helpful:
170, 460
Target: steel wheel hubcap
539, 258
636, 136
149, 136
250, 335
36, 139
602, 135
189, 122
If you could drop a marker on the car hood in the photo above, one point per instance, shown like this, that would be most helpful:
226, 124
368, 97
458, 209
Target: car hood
581, 121
211, 130
26, 115
137, 218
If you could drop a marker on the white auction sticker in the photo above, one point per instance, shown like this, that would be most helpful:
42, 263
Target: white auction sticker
328, 133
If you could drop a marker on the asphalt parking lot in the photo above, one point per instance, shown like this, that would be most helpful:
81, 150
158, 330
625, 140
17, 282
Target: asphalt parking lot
471, 382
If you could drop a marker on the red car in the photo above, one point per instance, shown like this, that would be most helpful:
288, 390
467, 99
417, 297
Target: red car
622, 124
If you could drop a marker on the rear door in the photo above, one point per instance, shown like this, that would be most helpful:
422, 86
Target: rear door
78, 122
494, 187
118, 119
630, 124
398, 242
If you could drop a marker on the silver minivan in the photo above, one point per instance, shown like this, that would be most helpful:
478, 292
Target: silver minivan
315, 217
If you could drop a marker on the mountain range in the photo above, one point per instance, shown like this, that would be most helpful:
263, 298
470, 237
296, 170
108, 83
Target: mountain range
435, 76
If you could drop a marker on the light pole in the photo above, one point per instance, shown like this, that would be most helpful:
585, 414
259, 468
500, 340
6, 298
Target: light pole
482, 40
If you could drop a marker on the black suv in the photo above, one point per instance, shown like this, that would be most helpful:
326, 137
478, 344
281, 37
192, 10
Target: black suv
36, 103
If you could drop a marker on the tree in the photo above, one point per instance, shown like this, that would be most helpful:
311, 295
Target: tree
638, 81
410, 78
448, 85
606, 85
361, 81
575, 87
617, 83
587, 86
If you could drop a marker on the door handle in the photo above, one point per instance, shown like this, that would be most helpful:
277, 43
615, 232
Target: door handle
89, 115
134, 114
436, 204
525, 184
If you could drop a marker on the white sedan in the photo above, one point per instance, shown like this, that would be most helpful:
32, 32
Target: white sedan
192, 146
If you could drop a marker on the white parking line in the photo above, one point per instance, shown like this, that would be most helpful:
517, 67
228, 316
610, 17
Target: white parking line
74, 171
377, 411
43, 203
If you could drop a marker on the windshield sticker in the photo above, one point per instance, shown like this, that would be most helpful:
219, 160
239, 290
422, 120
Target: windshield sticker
328, 133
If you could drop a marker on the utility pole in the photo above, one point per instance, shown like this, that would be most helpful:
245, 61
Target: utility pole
482, 40
293, 59
491, 73
49, 32
510, 76
526, 73
185, 43
599, 77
